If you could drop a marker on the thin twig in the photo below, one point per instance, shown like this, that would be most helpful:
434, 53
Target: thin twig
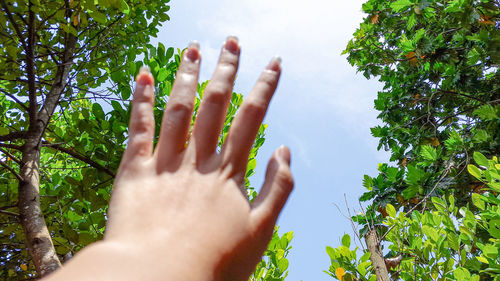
3, 212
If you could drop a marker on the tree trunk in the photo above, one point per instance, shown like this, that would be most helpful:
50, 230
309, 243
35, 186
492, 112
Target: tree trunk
38, 237
376, 256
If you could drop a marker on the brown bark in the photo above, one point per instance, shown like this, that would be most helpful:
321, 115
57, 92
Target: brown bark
376, 256
37, 235
38, 238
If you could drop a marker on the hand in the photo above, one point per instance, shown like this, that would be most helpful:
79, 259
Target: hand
180, 212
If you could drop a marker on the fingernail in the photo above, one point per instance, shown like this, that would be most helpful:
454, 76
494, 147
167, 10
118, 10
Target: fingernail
274, 64
231, 44
284, 154
145, 68
193, 51
144, 77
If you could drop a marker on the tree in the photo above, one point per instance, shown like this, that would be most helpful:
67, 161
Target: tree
447, 243
438, 61
439, 64
54, 55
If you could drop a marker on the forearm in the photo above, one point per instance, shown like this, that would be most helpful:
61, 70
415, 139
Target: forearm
117, 261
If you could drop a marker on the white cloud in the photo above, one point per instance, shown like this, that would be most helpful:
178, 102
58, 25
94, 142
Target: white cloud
309, 36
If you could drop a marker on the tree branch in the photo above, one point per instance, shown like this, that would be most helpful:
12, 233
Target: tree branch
12, 146
9, 213
15, 99
13, 136
10, 155
8, 168
60, 81
30, 67
80, 157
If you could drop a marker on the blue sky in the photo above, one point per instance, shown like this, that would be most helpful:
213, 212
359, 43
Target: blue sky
322, 109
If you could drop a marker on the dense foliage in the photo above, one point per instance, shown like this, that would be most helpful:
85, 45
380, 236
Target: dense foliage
438, 61
81, 144
448, 243
435, 213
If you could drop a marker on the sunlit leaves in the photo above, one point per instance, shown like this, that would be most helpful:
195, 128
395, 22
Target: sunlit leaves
400, 5
274, 264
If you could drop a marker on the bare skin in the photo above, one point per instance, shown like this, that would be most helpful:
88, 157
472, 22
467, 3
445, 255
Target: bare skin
178, 212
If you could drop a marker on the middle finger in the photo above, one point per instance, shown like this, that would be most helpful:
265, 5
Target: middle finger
215, 101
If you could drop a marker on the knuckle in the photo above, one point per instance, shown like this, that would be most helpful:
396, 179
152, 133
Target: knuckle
268, 78
187, 76
285, 178
228, 60
218, 93
255, 108
180, 108
143, 96
142, 119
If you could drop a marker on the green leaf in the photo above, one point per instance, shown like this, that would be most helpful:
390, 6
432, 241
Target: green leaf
98, 17
162, 74
490, 251
482, 259
97, 111
454, 6
478, 202
331, 252
124, 7
429, 153
453, 241
170, 53
400, 5
480, 159
472, 57
461, 273
391, 211
473, 170
283, 265
412, 21
346, 240
494, 228
486, 112
4, 131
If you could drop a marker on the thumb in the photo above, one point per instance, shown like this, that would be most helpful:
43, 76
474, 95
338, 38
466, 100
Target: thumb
276, 188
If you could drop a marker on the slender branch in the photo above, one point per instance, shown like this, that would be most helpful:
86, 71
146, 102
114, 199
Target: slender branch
84, 46
15, 99
80, 157
460, 94
13, 136
10, 156
352, 222
9, 213
30, 66
8, 207
8, 168
12, 146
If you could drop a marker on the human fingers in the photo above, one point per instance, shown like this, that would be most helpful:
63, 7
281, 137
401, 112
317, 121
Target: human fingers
276, 188
215, 101
246, 124
142, 124
179, 109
